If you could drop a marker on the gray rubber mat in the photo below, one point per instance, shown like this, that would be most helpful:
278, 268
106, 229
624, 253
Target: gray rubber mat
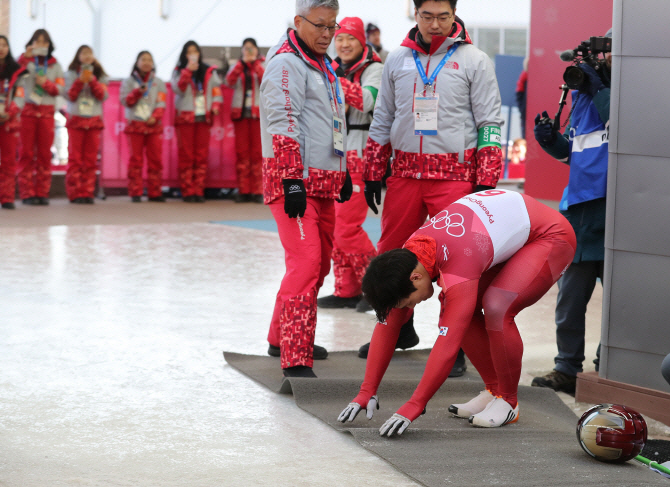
438, 449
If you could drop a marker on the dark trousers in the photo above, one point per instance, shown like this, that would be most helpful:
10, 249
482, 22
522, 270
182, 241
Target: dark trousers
575, 289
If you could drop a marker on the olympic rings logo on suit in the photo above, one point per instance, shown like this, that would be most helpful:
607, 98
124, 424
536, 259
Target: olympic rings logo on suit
453, 224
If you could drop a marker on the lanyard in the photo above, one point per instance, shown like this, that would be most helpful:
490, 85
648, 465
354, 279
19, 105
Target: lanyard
337, 83
139, 81
46, 64
422, 72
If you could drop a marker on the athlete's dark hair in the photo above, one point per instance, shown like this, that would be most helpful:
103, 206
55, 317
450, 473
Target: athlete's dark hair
387, 280
419, 3
98, 72
47, 37
198, 74
10, 66
137, 60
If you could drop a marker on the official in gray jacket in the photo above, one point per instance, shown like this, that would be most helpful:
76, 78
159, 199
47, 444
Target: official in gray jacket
438, 112
304, 171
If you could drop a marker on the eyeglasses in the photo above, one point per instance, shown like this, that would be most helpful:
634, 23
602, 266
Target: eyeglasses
323, 28
429, 19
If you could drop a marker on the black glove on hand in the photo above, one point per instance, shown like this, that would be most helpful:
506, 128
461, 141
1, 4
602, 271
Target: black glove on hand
544, 129
373, 192
295, 197
482, 187
347, 190
595, 84
340, 72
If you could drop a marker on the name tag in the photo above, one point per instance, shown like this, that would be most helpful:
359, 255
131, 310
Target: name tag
425, 114
409, 64
35, 97
338, 136
142, 110
3, 100
200, 110
86, 106
247, 99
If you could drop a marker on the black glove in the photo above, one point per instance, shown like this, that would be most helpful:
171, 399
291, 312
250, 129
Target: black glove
373, 192
295, 197
340, 72
544, 129
482, 187
347, 190
595, 84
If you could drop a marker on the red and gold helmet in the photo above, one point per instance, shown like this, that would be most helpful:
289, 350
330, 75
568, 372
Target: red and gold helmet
612, 432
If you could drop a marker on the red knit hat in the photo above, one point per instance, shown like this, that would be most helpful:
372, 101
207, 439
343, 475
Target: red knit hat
353, 26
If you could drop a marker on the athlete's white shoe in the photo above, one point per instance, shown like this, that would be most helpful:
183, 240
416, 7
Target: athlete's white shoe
473, 406
497, 413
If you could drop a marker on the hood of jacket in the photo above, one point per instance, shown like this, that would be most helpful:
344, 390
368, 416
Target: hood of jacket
295, 45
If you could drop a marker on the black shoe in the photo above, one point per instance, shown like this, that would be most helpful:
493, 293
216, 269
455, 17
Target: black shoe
30, 201
257, 198
88, 201
9, 206
136, 199
299, 371
320, 353
557, 381
199, 199
189, 199
407, 339
241, 198
333, 302
460, 366
42, 201
363, 306
157, 199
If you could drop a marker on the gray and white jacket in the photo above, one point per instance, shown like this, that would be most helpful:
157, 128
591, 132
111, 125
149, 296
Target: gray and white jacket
297, 122
75, 90
185, 90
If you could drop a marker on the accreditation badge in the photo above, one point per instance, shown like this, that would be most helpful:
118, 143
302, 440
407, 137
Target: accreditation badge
338, 136
425, 114
200, 110
85, 106
248, 100
3, 101
35, 97
142, 110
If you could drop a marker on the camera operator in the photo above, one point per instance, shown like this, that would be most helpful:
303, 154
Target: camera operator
584, 147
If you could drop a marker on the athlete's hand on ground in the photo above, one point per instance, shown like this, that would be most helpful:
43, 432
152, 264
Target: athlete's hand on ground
396, 424
352, 410
347, 190
295, 197
373, 192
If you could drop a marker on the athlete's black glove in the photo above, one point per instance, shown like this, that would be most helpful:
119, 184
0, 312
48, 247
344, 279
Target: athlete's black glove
483, 187
347, 190
373, 192
544, 130
295, 197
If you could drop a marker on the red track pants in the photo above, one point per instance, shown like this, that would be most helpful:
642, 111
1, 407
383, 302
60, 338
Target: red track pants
8, 143
152, 144
193, 153
249, 156
83, 147
37, 136
308, 243
353, 249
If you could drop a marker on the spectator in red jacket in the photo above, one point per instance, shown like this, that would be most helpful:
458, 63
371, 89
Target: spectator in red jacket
86, 88
245, 78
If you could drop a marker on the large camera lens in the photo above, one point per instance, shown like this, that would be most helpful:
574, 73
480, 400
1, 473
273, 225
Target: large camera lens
574, 78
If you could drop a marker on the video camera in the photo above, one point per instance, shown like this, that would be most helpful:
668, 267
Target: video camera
587, 52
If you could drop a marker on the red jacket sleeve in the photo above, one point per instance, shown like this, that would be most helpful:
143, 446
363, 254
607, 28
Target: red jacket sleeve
158, 114
97, 88
458, 307
184, 79
235, 73
489, 165
133, 97
260, 69
287, 155
75, 89
353, 94
50, 87
376, 160
13, 110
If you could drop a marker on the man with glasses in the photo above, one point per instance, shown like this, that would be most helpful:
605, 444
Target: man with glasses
438, 112
303, 134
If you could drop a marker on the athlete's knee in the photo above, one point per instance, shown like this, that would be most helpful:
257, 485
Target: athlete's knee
497, 304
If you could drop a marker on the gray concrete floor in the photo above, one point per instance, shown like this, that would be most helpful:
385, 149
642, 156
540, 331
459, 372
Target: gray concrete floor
114, 318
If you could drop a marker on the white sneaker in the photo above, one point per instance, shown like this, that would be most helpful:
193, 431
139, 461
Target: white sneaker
497, 413
473, 406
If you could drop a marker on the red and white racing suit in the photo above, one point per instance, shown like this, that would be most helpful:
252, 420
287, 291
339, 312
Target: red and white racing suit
494, 253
